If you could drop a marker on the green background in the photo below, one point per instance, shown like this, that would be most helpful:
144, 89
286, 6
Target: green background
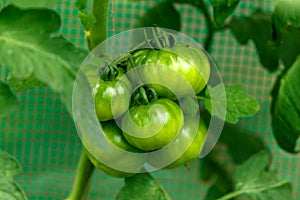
42, 135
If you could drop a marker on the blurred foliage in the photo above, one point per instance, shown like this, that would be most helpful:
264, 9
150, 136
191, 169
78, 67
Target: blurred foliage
36, 58
9, 168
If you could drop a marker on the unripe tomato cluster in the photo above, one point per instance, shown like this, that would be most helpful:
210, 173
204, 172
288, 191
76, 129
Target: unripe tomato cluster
150, 123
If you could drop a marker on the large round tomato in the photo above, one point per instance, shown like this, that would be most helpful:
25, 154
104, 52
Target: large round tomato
112, 97
152, 126
182, 70
187, 136
115, 137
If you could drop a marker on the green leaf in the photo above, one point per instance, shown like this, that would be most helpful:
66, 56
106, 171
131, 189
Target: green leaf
9, 166
34, 3
184, 1
289, 46
286, 115
8, 101
23, 84
11, 191
287, 12
288, 53
163, 15
258, 28
270, 46
31, 51
223, 9
142, 186
213, 193
213, 169
244, 145
254, 181
250, 170
81, 4
216, 190
87, 20
238, 103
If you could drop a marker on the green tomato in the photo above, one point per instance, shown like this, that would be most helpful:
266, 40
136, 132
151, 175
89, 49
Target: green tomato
115, 137
182, 70
112, 97
189, 106
152, 126
186, 136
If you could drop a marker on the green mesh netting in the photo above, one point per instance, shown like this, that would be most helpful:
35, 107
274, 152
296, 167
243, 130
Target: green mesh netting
43, 138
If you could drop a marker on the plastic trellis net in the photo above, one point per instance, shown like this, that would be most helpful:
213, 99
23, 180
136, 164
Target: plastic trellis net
43, 137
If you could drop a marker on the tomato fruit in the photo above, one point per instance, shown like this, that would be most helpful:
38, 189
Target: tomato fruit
112, 97
115, 137
152, 126
186, 136
189, 106
172, 70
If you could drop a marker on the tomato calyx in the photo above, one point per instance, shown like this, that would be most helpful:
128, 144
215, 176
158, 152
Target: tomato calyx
160, 39
113, 71
144, 95
109, 72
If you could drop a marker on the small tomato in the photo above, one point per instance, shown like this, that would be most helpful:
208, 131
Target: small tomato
115, 137
152, 126
182, 70
112, 97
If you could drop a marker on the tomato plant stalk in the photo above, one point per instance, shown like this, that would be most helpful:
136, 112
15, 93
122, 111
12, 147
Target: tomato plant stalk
84, 171
209, 24
98, 31
95, 36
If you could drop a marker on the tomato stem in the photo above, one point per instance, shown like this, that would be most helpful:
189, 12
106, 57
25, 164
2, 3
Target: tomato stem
144, 96
211, 30
151, 94
209, 23
84, 171
202, 98
162, 39
110, 72
124, 58
96, 35
157, 43
98, 31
